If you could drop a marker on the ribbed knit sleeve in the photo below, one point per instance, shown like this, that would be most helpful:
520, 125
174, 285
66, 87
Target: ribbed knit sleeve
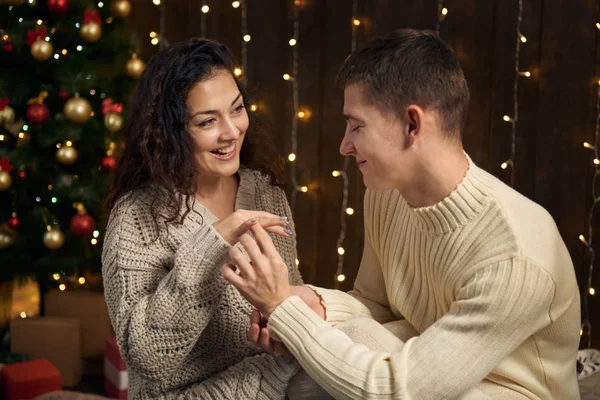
158, 311
495, 310
367, 299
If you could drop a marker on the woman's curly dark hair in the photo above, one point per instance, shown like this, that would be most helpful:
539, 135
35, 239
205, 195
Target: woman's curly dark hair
159, 151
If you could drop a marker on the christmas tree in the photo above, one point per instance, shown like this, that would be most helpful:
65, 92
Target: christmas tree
66, 69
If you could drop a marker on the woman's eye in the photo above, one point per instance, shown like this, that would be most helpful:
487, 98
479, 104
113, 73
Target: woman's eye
238, 109
206, 123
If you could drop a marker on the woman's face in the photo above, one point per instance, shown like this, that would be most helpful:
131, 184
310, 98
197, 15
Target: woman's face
218, 124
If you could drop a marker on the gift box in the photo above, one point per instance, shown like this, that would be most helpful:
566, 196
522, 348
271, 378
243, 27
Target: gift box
89, 308
29, 379
52, 338
115, 371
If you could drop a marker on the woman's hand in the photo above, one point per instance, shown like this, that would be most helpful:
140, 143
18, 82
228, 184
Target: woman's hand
241, 221
264, 280
258, 334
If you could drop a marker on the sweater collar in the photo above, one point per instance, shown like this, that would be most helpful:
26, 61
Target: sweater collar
460, 207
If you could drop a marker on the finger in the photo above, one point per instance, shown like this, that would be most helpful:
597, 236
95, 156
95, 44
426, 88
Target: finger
253, 333
284, 231
255, 317
263, 214
252, 248
268, 222
238, 258
265, 340
264, 241
231, 277
280, 348
245, 227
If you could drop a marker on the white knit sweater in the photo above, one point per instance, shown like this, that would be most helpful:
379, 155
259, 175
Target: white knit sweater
181, 329
485, 279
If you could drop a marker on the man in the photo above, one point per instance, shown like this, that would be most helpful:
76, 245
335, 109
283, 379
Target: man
479, 272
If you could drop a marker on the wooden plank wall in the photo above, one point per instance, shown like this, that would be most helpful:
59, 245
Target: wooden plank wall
557, 104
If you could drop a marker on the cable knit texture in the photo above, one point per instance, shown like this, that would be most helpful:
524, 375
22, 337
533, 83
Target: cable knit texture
181, 328
484, 278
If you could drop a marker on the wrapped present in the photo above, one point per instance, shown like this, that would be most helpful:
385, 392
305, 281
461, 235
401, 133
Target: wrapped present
29, 379
56, 339
89, 308
115, 371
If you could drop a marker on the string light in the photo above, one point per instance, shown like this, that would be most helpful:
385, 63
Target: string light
235, 4
156, 2
350, 211
62, 287
297, 262
598, 25
245, 36
505, 164
293, 42
205, 9
295, 102
356, 22
96, 234
23, 314
203, 20
81, 280
442, 12
515, 118
94, 241
301, 114
238, 71
344, 173
253, 107
586, 324
56, 276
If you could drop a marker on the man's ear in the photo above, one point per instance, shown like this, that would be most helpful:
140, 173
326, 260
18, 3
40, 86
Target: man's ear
413, 121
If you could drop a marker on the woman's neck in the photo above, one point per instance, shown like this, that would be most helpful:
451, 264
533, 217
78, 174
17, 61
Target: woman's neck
217, 194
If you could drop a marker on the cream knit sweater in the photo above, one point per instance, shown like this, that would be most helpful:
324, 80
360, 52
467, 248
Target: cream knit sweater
181, 329
485, 279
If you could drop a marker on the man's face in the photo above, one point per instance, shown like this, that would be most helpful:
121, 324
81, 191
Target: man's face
376, 140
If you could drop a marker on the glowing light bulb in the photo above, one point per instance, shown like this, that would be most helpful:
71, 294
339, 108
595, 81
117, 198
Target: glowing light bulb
523, 38
156, 2
253, 107
526, 74
508, 119
237, 71
582, 238
292, 42
592, 291
596, 161
247, 38
587, 145
235, 4
356, 22
341, 278
303, 189
205, 9
292, 157
56, 276
350, 211
23, 314
297, 262
81, 280
96, 234
444, 11
287, 77
504, 165
341, 251
153, 34
94, 241
154, 41
336, 174
62, 287
301, 114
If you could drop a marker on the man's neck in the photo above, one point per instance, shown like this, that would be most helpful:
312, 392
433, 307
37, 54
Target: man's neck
437, 174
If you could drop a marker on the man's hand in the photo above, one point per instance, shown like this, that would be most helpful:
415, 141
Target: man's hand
259, 335
311, 298
263, 281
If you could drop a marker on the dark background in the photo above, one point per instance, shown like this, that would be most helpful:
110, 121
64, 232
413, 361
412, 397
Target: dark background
557, 111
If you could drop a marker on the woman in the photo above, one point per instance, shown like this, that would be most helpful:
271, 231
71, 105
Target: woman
179, 201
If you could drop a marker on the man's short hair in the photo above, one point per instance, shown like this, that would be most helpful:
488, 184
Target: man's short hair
408, 66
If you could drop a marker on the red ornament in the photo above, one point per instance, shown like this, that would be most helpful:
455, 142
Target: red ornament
82, 224
108, 163
35, 34
37, 114
23, 174
13, 221
58, 6
91, 16
64, 94
8, 47
3, 103
108, 105
5, 164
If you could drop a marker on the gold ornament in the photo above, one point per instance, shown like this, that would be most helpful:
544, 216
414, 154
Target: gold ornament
90, 32
5, 180
53, 238
113, 121
120, 8
7, 116
6, 240
67, 155
135, 67
78, 110
41, 50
